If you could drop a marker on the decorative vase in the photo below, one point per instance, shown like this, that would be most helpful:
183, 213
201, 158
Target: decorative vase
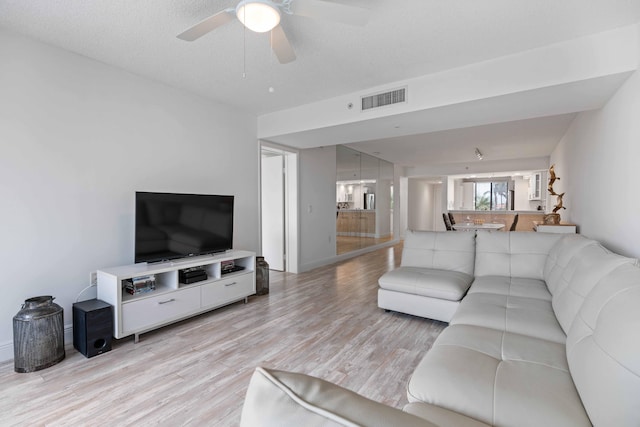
262, 276
38, 335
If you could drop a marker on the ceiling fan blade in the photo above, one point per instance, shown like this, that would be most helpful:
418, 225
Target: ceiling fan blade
207, 25
281, 46
349, 15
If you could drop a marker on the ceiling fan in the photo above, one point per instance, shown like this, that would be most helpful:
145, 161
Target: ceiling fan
264, 15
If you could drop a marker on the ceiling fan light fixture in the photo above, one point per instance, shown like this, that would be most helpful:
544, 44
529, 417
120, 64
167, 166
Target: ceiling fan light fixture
258, 15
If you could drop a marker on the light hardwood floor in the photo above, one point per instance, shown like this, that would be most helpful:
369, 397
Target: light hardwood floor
325, 323
346, 244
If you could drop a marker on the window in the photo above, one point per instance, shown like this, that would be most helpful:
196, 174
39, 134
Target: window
491, 196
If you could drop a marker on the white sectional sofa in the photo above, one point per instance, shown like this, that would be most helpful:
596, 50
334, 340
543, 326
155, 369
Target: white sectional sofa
544, 330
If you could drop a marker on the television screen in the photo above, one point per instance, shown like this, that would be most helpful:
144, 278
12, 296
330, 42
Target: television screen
171, 225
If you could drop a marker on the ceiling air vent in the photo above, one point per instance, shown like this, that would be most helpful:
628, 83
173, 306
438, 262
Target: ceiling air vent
396, 96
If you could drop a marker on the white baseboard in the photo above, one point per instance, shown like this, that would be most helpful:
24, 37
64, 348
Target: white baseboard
6, 349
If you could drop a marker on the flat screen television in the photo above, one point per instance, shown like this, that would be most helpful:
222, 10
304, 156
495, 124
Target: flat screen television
172, 225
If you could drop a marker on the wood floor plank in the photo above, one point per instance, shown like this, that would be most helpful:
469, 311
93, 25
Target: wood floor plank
324, 323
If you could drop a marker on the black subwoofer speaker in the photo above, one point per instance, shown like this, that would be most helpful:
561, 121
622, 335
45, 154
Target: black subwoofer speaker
92, 327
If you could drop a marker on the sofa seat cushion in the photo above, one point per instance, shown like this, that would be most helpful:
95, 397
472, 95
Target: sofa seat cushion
442, 284
527, 316
441, 416
277, 398
513, 286
498, 378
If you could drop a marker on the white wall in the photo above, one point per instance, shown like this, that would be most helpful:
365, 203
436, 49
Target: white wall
78, 138
402, 202
317, 175
522, 189
511, 87
382, 203
521, 192
420, 205
597, 162
292, 212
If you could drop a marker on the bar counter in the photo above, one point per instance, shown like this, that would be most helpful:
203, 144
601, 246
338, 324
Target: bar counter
526, 219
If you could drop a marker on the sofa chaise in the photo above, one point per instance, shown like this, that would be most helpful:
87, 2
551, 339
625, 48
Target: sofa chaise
543, 331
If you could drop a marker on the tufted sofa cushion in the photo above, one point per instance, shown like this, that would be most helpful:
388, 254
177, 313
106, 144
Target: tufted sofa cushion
559, 257
603, 349
513, 286
498, 378
441, 284
513, 254
439, 250
517, 315
589, 264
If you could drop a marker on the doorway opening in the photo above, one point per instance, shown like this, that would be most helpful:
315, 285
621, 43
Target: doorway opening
278, 204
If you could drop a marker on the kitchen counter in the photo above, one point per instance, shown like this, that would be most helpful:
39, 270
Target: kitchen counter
526, 219
463, 211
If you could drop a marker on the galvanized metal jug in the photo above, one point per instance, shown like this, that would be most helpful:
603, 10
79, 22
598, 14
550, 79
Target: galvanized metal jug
38, 335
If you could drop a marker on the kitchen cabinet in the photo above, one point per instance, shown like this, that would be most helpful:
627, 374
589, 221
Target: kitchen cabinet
535, 186
359, 222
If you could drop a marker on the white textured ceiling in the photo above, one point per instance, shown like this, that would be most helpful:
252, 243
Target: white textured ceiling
503, 141
403, 39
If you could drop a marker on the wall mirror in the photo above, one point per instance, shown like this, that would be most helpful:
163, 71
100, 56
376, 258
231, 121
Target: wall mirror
364, 200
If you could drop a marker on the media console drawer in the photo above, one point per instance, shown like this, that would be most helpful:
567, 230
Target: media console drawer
226, 290
143, 313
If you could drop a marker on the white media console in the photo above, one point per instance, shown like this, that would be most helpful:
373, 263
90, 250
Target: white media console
171, 300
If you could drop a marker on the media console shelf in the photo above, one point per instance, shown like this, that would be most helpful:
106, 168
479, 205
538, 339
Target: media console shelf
171, 300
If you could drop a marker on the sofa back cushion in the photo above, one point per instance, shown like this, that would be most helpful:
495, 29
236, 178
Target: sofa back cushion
560, 255
513, 254
584, 270
443, 250
603, 349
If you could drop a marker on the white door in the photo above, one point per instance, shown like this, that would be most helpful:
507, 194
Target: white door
273, 218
